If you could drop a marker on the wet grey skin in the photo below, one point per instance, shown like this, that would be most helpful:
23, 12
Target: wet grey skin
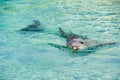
33, 27
77, 42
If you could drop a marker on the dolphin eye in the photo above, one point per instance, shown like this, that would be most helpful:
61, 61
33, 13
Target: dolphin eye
81, 42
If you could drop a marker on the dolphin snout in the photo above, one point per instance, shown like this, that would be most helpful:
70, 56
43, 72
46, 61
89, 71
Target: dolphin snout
75, 47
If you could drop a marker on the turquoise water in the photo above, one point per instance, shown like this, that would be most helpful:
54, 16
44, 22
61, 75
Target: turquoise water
27, 55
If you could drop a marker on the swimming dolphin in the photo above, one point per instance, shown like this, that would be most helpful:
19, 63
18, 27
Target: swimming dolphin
77, 42
33, 27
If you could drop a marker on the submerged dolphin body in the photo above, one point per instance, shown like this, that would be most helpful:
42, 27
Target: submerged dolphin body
33, 27
82, 52
79, 44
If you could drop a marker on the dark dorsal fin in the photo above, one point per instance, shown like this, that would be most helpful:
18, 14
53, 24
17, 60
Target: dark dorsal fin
36, 23
62, 32
32, 27
70, 36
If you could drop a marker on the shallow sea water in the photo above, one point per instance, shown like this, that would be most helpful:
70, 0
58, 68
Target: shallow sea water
28, 56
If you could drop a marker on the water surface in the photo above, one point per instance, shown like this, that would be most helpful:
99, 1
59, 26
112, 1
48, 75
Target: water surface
27, 55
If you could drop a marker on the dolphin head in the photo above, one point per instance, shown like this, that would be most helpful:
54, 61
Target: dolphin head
77, 44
